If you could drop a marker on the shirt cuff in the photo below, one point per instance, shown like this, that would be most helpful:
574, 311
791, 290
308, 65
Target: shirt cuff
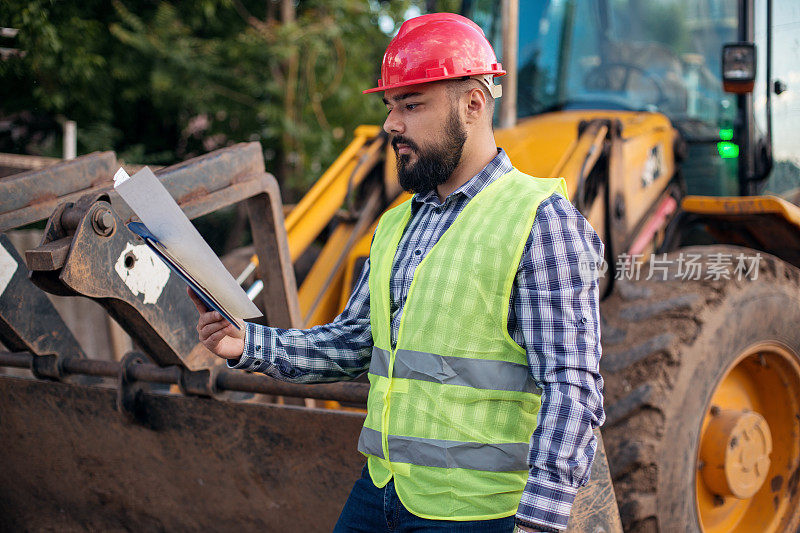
259, 345
545, 503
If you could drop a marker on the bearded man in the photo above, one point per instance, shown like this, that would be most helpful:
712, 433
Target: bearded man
480, 336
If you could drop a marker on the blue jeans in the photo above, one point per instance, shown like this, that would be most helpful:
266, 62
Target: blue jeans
372, 510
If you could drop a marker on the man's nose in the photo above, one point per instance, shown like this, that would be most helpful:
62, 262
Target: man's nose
393, 125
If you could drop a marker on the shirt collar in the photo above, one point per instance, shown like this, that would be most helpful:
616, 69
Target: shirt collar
497, 167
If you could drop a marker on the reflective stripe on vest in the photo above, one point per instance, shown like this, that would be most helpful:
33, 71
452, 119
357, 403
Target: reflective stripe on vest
465, 372
447, 453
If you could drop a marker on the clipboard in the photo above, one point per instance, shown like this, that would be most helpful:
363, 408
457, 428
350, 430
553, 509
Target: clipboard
161, 251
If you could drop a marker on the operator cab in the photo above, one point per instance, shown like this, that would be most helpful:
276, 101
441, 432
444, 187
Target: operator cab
664, 57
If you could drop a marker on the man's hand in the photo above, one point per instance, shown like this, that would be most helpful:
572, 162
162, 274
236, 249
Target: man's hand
216, 333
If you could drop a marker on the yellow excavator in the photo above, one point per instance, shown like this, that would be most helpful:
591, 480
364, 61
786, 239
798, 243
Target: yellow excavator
657, 114
649, 111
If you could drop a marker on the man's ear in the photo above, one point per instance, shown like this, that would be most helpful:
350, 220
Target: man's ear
476, 105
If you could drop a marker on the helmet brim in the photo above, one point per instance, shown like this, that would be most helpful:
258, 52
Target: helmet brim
497, 73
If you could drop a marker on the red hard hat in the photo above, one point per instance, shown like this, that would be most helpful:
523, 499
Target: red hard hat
435, 47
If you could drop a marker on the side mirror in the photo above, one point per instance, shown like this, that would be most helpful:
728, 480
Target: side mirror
739, 67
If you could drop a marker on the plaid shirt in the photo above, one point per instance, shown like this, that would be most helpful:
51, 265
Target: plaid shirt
553, 314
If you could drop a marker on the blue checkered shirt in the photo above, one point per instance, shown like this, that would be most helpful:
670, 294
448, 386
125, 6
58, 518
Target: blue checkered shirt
553, 314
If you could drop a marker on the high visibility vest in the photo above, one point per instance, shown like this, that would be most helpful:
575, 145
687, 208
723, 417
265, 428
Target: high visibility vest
452, 407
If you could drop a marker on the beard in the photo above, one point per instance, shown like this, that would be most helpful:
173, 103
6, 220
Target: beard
435, 164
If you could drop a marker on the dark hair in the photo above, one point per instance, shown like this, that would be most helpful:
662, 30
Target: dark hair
459, 86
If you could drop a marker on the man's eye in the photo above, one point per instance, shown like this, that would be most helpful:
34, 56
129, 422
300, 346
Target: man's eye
411, 107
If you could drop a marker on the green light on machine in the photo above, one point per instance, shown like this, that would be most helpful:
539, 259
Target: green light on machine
726, 134
728, 150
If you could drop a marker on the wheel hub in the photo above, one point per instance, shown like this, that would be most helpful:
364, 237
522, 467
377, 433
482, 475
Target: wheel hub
735, 452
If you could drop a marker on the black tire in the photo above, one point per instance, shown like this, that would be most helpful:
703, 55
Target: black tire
667, 344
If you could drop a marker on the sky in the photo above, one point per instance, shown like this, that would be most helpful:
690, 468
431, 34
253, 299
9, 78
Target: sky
786, 106
785, 67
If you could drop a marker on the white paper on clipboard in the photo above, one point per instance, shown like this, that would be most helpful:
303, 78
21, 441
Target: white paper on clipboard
156, 208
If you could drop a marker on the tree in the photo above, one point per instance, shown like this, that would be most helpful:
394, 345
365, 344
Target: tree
160, 82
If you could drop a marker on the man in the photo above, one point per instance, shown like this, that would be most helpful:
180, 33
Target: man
471, 314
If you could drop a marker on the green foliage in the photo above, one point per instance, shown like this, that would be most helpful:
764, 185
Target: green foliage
162, 81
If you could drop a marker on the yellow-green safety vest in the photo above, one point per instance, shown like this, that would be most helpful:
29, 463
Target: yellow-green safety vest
452, 406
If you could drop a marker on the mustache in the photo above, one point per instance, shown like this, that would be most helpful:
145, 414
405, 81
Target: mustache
399, 139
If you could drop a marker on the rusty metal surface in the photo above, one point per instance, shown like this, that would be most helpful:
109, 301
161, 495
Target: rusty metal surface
278, 299
196, 178
164, 329
32, 196
595, 507
84, 241
16, 163
203, 382
70, 463
349, 392
28, 320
